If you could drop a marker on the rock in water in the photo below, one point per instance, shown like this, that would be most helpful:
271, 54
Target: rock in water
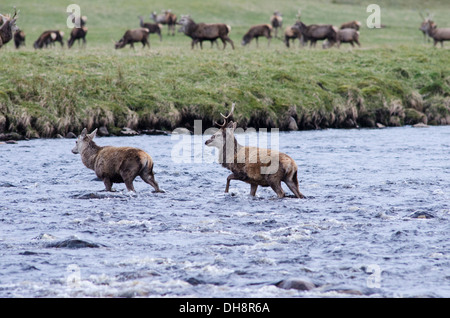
298, 284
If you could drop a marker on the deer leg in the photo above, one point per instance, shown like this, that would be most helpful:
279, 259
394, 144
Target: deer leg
149, 178
256, 39
231, 42
276, 186
229, 178
293, 186
129, 184
253, 188
108, 184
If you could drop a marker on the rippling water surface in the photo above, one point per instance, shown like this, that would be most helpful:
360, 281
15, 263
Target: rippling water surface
375, 221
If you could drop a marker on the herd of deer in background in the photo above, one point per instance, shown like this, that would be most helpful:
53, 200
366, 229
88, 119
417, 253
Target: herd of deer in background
199, 32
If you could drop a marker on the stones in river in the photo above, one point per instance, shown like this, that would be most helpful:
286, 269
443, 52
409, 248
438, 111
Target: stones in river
298, 284
73, 243
421, 215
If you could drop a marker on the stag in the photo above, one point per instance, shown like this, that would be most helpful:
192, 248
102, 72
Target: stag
256, 166
213, 41
437, 34
8, 28
167, 17
152, 27
315, 32
424, 24
205, 32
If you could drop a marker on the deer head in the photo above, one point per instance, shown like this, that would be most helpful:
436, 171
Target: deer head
83, 140
224, 139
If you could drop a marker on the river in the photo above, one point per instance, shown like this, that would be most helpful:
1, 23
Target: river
375, 222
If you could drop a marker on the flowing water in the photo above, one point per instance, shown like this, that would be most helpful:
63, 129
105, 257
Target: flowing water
375, 222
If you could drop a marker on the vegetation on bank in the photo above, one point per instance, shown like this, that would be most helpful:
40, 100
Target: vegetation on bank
44, 93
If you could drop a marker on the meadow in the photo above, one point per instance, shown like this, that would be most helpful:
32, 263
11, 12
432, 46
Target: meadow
394, 79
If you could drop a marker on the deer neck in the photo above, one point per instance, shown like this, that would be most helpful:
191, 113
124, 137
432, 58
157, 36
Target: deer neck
89, 154
228, 153
5, 31
190, 26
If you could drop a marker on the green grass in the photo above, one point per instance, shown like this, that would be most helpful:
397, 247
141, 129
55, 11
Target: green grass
394, 79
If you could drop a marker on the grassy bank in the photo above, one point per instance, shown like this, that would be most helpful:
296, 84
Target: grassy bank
395, 79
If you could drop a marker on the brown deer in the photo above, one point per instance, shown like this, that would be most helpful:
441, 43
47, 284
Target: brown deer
19, 39
315, 32
49, 38
152, 27
256, 166
167, 17
292, 34
77, 34
115, 164
205, 32
344, 36
276, 20
132, 36
437, 34
255, 32
8, 28
351, 25
423, 25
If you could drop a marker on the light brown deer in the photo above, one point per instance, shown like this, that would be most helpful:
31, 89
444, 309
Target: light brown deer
115, 164
256, 166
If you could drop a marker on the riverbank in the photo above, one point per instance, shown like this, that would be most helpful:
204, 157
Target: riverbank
51, 93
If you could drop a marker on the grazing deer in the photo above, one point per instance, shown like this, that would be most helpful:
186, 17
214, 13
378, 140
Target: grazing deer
255, 32
256, 166
115, 164
132, 36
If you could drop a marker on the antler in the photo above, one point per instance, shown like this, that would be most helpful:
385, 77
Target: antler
15, 12
225, 118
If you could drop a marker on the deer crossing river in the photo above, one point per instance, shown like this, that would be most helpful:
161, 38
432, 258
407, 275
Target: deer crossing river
375, 222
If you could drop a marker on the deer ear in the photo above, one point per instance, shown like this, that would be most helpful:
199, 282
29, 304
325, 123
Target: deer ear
93, 134
83, 133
